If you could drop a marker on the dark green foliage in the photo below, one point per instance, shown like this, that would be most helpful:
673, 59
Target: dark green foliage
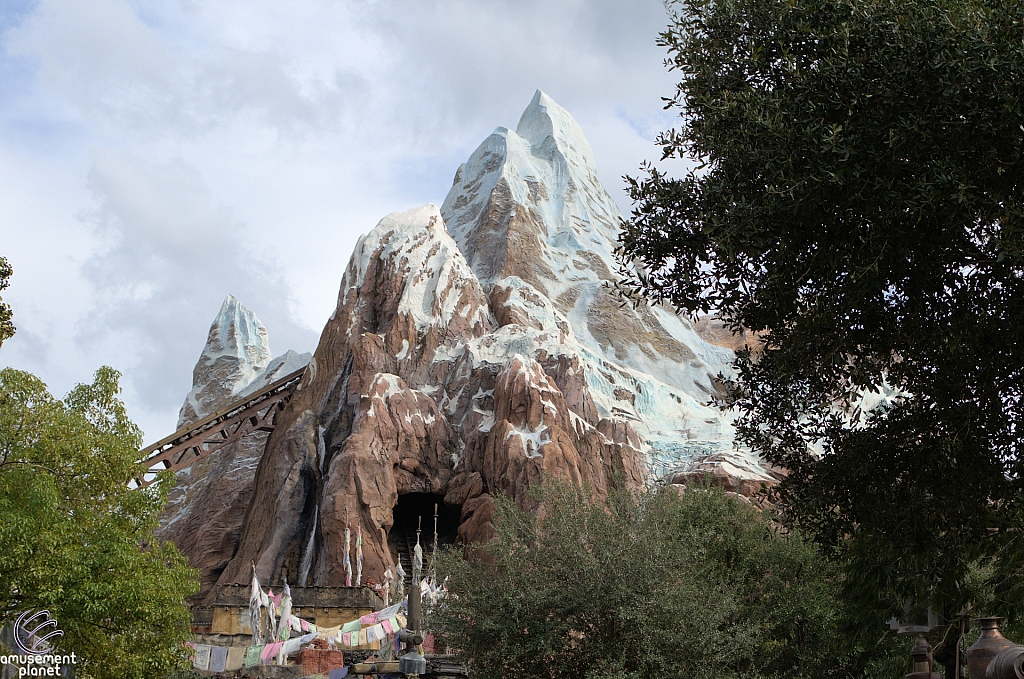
76, 541
860, 206
6, 325
648, 586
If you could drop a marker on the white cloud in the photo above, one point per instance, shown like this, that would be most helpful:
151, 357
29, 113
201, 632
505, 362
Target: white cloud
171, 255
135, 72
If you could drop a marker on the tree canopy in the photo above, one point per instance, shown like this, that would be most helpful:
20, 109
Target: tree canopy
74, 540
858, 205
650, 585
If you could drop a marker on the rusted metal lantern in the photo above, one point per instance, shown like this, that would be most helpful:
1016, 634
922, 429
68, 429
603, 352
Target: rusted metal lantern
922, 655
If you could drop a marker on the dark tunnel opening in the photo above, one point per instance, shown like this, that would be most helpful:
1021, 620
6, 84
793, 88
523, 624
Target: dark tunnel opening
418, 509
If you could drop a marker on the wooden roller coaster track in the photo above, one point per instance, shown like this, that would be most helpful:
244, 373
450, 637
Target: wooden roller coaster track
247, 415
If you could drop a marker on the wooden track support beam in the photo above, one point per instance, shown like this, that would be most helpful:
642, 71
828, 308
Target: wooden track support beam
241, 418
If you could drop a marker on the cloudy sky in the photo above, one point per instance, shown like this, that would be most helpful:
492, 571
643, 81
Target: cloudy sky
156, 155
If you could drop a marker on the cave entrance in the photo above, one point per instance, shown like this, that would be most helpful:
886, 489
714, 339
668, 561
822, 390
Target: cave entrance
407, 514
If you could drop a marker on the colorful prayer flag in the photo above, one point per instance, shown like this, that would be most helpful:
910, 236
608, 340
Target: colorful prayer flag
236, 658
218, 658
359, 554
252, 655
327, 632
348, 561
284, 626
255, 604
269, 653
201, 660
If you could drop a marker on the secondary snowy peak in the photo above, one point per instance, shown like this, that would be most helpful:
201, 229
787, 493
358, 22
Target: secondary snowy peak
237, 350
206, 507
235, 361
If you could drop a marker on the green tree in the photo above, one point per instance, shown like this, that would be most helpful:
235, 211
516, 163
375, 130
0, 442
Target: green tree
858, 204
76, 541
650, 585
6, 325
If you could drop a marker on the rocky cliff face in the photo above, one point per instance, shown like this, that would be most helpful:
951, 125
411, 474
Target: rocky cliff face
418, 387
206, 508
474, 349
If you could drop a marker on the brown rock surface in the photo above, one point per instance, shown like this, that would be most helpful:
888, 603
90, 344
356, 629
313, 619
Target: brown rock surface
533, 436
206, 508
477, 520
723, 472
414, 389
282, 505
712, 329
400, 443
406, 298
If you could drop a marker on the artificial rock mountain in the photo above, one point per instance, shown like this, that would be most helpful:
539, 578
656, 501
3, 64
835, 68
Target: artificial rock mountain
474, 348
206, 508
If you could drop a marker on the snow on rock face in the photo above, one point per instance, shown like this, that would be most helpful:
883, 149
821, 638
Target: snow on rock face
279, 367
528, 211
418, 247
514, 301
534, 433
528, 204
